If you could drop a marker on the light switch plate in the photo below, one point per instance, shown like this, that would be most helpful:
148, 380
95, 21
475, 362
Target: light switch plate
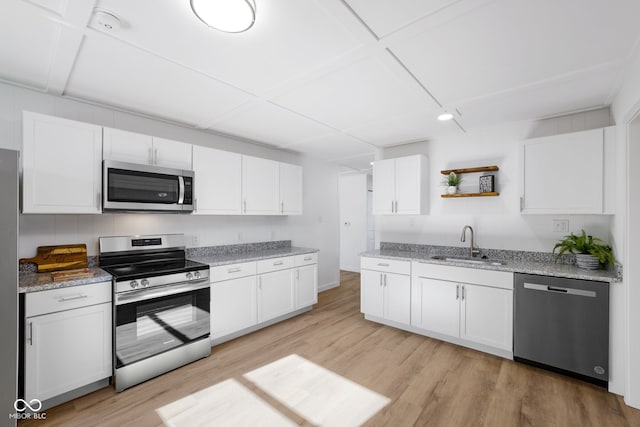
560, 225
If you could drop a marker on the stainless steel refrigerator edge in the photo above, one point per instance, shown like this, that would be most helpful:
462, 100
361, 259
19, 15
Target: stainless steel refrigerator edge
8, 284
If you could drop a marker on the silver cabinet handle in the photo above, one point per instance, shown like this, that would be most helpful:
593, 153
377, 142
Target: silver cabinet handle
385, 280
308, 258
278, 263
281, 207
457, 291
381, 278
392, 206
30, 333
298, 274
65, 299
383, 264
244, 203
260, 282
150, 156
234, 270
99, 200
155, 156
462, 292
195, 204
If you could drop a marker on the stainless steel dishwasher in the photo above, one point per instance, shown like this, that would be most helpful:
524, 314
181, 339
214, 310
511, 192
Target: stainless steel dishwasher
563, 325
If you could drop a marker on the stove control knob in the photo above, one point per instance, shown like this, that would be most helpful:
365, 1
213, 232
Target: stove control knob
189, 276
196, 274
144, 283
134, 284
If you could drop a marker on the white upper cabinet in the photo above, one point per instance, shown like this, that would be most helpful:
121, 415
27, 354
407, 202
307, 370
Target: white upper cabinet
61, 165
290, 189
218, 181
400, 186
260, 186
133, 147
568, 173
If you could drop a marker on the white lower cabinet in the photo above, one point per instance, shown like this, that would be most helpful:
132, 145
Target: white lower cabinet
436, 306
233, 306
486, 316
67, 339
386, 295
275, 294
247, 296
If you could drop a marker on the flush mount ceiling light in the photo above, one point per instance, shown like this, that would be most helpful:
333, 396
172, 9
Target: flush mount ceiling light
107, 20
230, 16
445, 116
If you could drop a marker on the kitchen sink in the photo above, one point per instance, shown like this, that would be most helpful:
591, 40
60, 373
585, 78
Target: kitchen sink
481, 261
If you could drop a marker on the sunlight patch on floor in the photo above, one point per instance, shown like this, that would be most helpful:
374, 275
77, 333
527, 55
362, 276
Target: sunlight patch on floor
228, 403
320, 396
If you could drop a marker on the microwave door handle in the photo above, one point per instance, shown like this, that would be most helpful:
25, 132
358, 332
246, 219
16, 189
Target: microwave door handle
181, 193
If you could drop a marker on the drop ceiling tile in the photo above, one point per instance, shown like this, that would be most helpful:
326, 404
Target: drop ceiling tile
333, 146
508, 44
363, 92
56, 6
385, 17
110, 72
288, 38
588, 90
27, 43
271, 124
359, 163
409, 128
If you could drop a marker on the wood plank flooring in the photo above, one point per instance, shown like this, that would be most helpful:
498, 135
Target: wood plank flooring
429, 382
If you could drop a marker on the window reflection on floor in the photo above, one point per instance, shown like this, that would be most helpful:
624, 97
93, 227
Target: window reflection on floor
316, 394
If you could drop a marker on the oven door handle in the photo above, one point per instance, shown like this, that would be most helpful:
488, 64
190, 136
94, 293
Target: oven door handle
162, 291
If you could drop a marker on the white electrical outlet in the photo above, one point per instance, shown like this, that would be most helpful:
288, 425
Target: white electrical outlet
560, 225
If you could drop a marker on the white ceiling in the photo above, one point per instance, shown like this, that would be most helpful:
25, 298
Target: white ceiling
334, 79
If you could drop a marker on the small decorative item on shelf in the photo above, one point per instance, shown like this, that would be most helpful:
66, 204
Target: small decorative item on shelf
452, 181
487, 184
589, 252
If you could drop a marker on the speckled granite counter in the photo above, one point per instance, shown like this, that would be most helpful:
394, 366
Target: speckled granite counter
515, 261
35, 282
215, 259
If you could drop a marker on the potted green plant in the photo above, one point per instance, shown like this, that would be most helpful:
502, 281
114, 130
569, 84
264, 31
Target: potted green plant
589, 250
452, 182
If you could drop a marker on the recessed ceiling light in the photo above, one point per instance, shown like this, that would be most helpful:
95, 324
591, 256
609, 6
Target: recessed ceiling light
445, 116
230, 16
371, 163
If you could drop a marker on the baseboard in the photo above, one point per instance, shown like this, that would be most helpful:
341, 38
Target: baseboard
328, 286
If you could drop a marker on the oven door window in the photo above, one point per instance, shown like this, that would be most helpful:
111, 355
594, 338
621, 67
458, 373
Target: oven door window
147, 328
142, 187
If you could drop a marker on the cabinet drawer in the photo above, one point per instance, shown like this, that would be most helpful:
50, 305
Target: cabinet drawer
306, 259
233, 271
51, 301
275, 264
386, 265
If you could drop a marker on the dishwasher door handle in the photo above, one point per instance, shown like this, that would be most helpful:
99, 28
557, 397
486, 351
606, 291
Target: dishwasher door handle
557, 290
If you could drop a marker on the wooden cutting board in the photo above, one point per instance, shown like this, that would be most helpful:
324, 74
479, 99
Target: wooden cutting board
61, 257
63, 276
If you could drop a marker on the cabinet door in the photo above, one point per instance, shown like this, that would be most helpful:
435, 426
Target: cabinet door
487, 316
275, 294
397, 298
306, 285
67, 350
408, 185
564, 173
371, 293
128, 147
218, 181
172, 154
384, 184
290, 189
260, 186
233, 306
61, 165
436, 306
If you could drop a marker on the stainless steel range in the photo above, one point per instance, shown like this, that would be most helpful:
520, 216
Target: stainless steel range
161, 306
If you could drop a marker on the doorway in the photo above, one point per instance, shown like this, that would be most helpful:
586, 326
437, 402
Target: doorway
354, 208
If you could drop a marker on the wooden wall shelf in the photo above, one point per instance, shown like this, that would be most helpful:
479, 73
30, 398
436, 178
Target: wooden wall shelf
470, 170
493, 193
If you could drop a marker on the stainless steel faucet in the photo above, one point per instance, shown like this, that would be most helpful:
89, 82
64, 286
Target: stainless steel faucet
473, 251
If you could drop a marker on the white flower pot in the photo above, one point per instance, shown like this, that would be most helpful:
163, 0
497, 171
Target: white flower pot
587, 261
452, 189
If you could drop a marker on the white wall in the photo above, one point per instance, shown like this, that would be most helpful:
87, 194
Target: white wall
625, 106
496, 220
317, 228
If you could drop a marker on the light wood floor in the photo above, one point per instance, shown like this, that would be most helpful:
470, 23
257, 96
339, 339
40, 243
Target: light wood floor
429, 382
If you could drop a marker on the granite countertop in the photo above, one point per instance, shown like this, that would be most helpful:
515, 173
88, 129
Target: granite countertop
515, 265
35, 282
252, 255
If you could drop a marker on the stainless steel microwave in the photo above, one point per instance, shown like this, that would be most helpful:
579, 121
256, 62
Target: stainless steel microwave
134, 187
